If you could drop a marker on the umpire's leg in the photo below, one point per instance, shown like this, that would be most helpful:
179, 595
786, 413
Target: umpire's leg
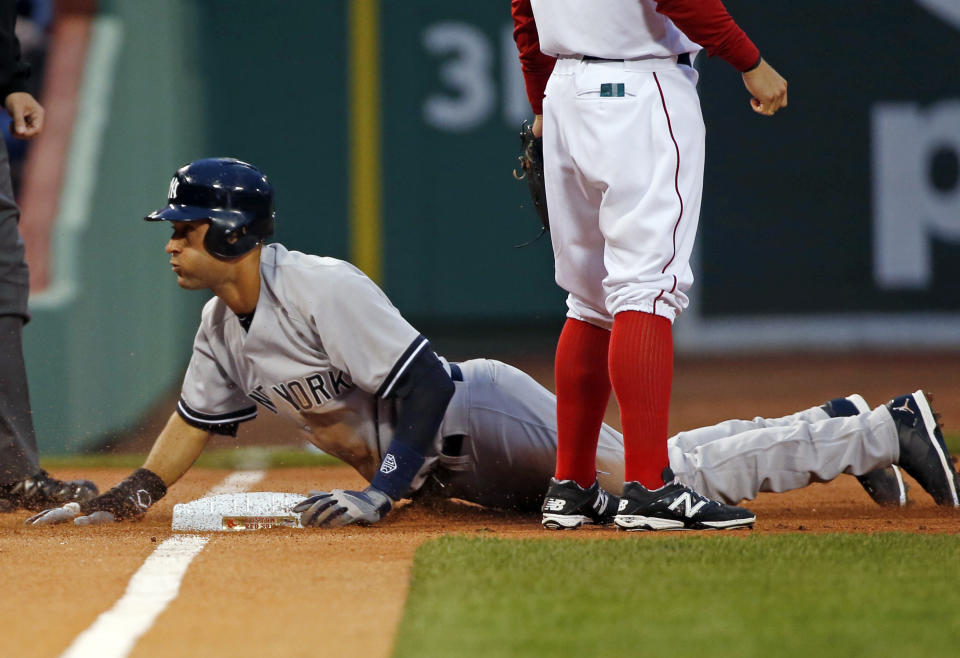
18, 444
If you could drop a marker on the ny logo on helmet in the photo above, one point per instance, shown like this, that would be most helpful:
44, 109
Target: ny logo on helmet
172, 194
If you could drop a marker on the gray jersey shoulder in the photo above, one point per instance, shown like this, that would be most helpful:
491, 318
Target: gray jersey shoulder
324, 347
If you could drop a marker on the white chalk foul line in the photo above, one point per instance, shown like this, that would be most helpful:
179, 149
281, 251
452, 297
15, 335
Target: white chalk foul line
151, 589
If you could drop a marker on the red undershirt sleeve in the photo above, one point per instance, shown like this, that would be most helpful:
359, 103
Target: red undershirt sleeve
536, 66
708, 23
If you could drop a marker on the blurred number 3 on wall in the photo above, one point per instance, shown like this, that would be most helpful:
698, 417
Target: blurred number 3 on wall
471, 65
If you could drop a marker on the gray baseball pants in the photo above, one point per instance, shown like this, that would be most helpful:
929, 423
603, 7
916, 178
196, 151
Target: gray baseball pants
508, 454
18, 444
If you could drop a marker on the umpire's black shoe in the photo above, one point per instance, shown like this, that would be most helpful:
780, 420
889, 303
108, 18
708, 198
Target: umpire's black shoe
884, 485
676, 507
567, 505
923, 454
42, 491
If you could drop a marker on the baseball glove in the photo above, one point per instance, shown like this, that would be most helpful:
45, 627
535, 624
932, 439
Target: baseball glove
531, 165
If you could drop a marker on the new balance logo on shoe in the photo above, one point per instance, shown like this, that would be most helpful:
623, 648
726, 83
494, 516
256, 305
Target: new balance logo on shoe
568, 505
553, 505
689, 507
600, 504
676, 507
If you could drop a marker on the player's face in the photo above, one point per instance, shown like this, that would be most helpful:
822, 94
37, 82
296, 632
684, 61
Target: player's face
195, 267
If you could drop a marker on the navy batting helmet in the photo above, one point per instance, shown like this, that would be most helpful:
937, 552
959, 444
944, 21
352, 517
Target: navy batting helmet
234, 196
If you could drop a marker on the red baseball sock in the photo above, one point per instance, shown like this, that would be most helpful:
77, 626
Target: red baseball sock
583, 391
641, 371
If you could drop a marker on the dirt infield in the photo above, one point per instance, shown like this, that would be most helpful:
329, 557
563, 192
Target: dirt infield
309, 592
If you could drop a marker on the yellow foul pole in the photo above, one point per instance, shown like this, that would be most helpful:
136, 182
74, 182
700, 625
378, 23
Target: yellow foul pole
364, 121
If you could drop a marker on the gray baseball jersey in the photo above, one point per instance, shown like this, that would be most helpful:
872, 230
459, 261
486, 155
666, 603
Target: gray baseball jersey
326, 346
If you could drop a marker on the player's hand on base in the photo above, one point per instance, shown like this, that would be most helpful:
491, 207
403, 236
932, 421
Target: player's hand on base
339, 508
55, 515
769, 89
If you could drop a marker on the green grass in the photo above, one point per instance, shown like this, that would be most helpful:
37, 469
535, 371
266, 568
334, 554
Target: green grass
723, 595
953, 443
230, 458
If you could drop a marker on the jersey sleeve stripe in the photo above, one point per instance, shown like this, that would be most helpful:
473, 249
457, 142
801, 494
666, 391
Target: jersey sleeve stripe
215, 419
402, 364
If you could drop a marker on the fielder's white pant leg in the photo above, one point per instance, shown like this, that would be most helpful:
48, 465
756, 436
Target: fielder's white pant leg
651, 209
782, 458
573, 201
624, 176
687, 441
510, 424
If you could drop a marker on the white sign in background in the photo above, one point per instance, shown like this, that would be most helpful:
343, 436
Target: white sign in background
909, 209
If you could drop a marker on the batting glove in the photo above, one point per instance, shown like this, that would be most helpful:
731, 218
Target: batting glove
128, 500
55, 515
69, 512
339, 508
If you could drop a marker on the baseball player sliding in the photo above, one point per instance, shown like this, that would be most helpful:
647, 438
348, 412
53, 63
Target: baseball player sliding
315, 340
614, 93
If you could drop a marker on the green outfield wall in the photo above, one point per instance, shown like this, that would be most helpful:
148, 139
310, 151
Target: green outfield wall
112, 333
390, 129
